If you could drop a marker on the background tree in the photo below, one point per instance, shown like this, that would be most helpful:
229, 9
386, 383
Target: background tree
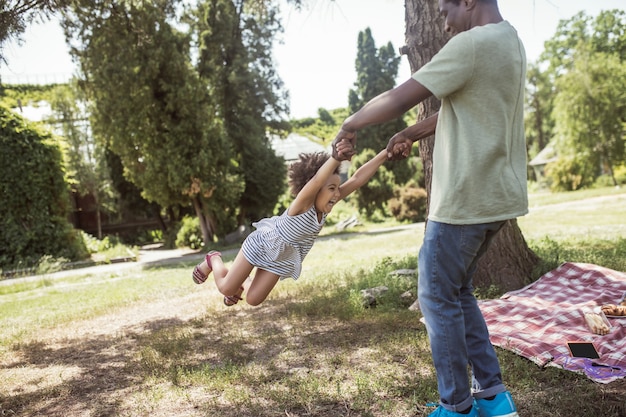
606, 33
235, 60
587, 123
34, 198
509, 262
85, 165
150, 107
590, 109
377, 70
373, 196
539, 123
130, 206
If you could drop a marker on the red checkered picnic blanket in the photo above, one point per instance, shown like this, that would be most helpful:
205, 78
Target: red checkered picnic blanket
537, 321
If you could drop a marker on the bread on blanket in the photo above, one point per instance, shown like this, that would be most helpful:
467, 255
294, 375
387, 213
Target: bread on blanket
614, 310
596, 323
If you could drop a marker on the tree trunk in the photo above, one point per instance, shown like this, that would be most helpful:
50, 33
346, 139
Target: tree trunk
98, 215
424, 38
205, 227
509, 261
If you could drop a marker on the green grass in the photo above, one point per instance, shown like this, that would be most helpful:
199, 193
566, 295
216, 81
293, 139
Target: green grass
546, 198
150, 342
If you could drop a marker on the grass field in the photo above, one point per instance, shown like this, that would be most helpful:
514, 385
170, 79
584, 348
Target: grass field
148, 342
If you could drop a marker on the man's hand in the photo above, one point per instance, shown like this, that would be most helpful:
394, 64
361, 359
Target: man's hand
338, 153
399, 147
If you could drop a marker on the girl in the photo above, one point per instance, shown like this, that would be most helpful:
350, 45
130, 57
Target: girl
279, 244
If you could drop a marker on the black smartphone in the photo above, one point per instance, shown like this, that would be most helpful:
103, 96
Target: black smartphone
583, 350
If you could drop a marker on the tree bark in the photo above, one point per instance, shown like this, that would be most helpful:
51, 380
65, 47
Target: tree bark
509, 261
424, 38
205, 226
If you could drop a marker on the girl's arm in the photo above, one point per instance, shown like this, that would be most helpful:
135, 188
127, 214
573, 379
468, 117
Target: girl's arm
306, 197
363, 174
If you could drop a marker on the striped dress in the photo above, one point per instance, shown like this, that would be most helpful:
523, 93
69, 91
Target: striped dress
280, 243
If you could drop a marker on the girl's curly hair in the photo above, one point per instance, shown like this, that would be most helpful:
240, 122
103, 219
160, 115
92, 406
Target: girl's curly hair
301, 171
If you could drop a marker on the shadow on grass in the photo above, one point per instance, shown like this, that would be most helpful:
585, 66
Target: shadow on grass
290, 356
99, 369
291, 343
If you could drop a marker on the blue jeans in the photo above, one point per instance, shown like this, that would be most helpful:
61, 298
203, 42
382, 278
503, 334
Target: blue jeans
456, 327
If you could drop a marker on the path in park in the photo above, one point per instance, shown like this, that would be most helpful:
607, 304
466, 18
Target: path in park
155, 255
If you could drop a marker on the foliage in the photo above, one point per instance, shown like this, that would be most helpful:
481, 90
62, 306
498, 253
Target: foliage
95, 245
570, 173
373, 196
235, 60
620, 174
189, 234
328, 123
576, 93
608, 253
84, 160
409, 204
158, 119
199, 123
604, 34
16, 95
324, 127
87, 170
129, 204
108, 248
376, 73
590, 107
539, 122
34, 206
48, 264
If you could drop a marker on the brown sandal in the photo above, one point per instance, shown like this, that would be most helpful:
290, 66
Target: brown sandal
231, 300
198, 276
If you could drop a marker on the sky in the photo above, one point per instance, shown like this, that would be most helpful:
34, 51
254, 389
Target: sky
316, 55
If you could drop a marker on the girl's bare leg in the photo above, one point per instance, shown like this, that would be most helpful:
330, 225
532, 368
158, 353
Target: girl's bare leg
262, 284
229, 282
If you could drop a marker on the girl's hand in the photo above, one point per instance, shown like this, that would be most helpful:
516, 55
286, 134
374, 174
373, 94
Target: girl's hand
343, 150
399, 147
344, 135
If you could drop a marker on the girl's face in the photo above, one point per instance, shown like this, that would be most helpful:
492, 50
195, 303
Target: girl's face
328, 195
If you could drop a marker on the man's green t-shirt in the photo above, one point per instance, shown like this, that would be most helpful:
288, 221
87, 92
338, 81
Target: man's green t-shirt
479, 158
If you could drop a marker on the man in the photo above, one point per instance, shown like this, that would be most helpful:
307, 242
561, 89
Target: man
479, 182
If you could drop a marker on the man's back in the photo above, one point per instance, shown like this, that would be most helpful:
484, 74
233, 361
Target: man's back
479, 160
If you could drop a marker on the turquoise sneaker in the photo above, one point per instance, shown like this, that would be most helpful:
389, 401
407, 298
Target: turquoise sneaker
501, 406
442, 412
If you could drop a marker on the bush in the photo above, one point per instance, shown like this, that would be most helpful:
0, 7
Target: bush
409, 204
570, 173
620, 174
373, 196
34, 202
189, 234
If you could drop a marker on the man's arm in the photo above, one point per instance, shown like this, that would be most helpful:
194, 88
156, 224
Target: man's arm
383, 108
399, 146
387, 106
